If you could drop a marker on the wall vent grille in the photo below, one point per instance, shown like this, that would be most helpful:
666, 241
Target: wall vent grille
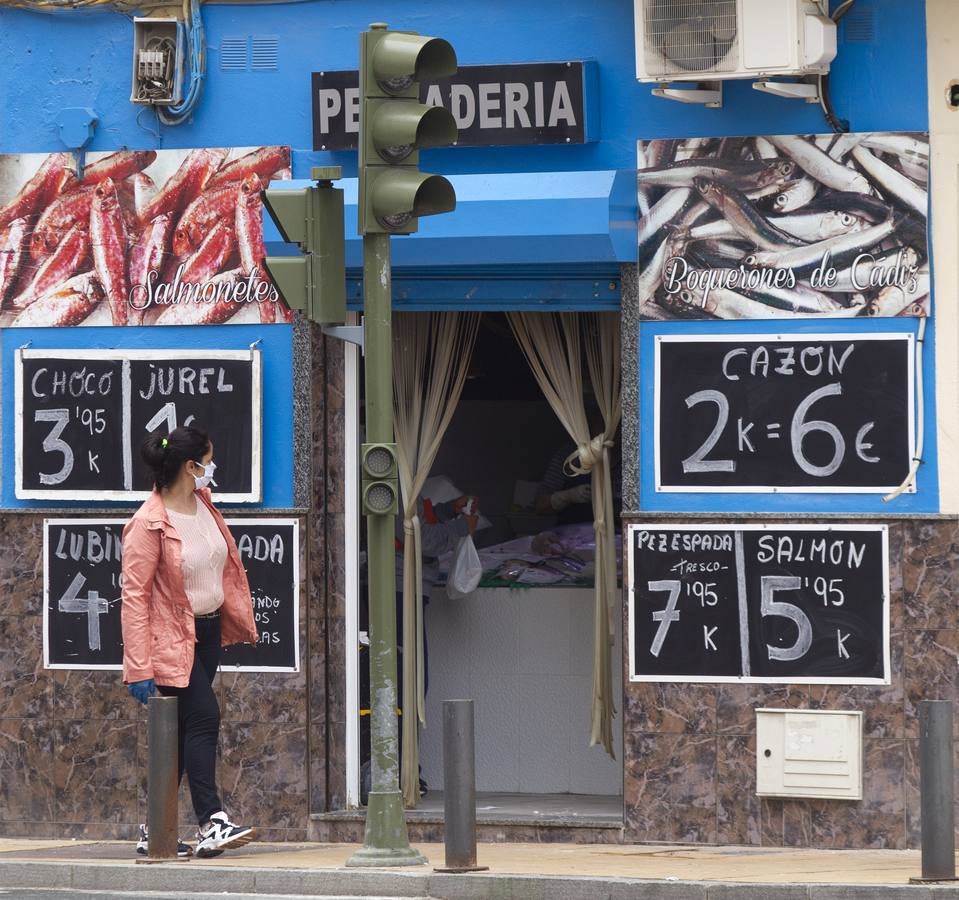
265, 52
233, 54
859, 26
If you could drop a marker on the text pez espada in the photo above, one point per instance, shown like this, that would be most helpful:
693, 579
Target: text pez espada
664, 542
261, 548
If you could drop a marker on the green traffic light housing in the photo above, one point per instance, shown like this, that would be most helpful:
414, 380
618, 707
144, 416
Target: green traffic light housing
400, 59
398, 198
289, 211
400, 129
379, 485
395, 126
291, 275
378, 460
312, 217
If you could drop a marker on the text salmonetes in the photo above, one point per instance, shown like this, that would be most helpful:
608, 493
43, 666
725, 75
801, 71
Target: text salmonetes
83, 586
807, 413
788, 603
81, 417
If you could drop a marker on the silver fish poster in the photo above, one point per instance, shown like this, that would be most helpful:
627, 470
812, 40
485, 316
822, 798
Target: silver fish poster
137, 237
784, 226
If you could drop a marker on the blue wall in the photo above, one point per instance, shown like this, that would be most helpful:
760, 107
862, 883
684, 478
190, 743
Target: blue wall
276, 343
83, 59
925, 499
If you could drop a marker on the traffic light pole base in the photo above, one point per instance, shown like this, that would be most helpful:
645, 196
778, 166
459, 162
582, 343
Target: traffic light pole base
386, 842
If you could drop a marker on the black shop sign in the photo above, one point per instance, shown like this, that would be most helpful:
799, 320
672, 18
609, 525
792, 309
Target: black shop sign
81, 416
802, 412
759, 603
82, 585
525, 103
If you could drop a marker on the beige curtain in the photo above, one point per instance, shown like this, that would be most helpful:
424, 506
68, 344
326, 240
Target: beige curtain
553, 344
431, 356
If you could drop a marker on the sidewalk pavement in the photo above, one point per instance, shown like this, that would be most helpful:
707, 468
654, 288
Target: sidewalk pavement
516, 872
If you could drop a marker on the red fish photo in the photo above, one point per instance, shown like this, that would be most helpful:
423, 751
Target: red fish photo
137, 237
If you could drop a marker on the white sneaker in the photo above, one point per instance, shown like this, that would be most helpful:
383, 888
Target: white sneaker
143, 847
221, 834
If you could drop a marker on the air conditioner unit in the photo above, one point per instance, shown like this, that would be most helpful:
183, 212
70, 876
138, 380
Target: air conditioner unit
716, 40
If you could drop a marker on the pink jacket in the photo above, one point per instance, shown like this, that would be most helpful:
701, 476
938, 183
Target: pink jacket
157, 620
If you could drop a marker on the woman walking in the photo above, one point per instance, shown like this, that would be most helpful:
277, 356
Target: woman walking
185, 594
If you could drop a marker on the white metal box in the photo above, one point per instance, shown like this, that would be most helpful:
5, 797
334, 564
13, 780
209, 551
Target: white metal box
809, 753
157, 61
701, 40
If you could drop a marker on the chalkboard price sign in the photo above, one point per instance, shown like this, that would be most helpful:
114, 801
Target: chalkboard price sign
756, 413
81, 416
269, 549
763, 603
82, 561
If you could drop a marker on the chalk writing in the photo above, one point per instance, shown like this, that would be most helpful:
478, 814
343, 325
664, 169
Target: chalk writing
828, 413
83, 587
80, 421
779, 603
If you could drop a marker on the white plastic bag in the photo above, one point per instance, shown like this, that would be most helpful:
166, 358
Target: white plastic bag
465, 570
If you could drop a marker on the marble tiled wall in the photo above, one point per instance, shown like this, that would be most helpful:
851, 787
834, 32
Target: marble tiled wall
73, 744
329, 648
690, 749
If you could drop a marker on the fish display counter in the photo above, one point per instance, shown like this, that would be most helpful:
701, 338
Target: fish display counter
562, 556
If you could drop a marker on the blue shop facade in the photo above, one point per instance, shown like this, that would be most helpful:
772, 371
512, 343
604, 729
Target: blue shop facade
549, 223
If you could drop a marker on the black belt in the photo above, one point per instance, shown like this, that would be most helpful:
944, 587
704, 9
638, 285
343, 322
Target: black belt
212, 615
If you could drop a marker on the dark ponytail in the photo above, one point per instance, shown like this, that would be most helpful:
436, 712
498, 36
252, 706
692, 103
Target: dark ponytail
165, 454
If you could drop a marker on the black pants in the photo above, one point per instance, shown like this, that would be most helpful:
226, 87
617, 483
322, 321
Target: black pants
199, 720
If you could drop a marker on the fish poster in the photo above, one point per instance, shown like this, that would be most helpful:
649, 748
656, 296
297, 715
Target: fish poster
784, 226
137, 237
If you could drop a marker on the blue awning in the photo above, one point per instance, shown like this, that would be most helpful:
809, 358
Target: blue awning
515, 240
522, 218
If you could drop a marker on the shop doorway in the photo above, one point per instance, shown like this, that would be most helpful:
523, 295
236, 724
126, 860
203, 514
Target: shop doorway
521, 646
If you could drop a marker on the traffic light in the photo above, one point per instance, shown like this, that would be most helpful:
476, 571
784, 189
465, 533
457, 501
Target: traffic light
379, 484
394, 126
312, 217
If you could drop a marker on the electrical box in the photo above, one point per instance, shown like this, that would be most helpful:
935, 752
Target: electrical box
157, 61
809, 753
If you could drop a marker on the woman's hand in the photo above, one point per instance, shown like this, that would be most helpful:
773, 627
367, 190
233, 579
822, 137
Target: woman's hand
142, 690
466, 505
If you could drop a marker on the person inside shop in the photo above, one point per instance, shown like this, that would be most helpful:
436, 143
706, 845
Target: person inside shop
185, 595
568, 495
441, 527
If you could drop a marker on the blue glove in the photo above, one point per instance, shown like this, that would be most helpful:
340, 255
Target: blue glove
142, 690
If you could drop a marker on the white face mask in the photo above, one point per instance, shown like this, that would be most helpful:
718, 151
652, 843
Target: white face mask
206, 478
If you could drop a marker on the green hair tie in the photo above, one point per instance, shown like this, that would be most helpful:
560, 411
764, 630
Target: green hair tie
164, 443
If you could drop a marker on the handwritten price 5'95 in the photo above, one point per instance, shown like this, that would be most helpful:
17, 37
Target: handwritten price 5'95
828, 590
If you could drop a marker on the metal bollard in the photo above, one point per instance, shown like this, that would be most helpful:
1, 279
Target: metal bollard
459, 788
162, 779
936, 792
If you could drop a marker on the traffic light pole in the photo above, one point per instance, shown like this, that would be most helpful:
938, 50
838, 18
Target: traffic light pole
392, 195
386, 841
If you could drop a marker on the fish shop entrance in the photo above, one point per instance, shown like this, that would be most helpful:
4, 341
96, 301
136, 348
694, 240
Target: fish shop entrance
520, 644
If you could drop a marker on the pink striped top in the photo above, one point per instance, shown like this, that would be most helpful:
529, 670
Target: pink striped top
204, 555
